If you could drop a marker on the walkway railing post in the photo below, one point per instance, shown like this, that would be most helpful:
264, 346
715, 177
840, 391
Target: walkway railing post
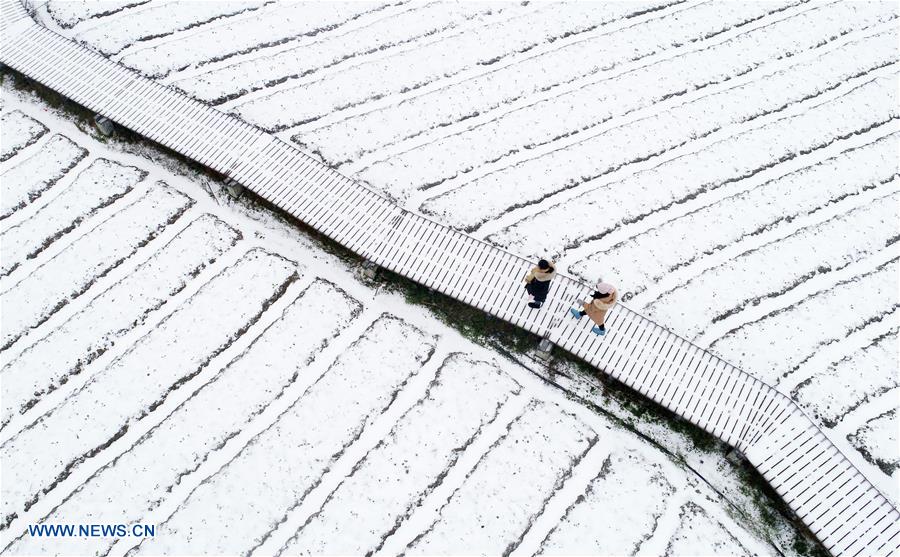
545, 346
104, 124
233, 188
367, 270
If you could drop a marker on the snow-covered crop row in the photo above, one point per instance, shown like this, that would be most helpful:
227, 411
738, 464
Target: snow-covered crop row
274, 24
845, 385
655, 253
67, 350
69, 13
97, 186
578, 112
423, 63
841, 241
409, 459
591, 526
18, 132
29, 179
416, 22
790, 335
743, 104
140, 379
33, 299
700, 534
584, 164
290, 457
877, 440
158, 20
206, 420
549, 73
539, 449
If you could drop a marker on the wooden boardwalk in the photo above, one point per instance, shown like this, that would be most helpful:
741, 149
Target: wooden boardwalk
839, 505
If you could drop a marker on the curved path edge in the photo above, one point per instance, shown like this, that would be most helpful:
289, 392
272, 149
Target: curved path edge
841, 507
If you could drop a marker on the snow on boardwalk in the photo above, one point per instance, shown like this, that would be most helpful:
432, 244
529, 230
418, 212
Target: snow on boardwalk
682, 377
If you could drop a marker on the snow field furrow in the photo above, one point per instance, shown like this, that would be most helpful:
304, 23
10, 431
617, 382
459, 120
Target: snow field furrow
827, 354
18, 131
203, 423
849, 383
69, 274
666, 525
500, 64
158, 20
652, 254
140, 379
592, 526
488, 513
567, 117
276, 470
777, 267
746, 105
790, 335
877, 442
438, 59
28, 180
694, 536
722, 163
85, 336
222, 85
815, 281
97, 186
463, 398
272, 25
559, 502
581, 165
68, 13
436, 114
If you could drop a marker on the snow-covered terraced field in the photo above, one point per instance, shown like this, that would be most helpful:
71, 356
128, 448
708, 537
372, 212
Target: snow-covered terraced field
96, 187
27, 181
591, 525
204, 367
72, 271
19, 131
732, 168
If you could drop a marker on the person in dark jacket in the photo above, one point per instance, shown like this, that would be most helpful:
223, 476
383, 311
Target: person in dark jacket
602, 300
537, 282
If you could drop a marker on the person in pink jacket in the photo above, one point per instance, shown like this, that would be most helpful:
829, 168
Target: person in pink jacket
602, 300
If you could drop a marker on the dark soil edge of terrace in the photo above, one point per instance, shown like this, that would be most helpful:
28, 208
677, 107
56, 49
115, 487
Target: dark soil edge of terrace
482, 329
